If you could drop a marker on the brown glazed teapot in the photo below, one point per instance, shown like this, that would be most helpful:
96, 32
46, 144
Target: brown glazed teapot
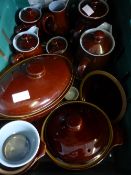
81, 137
96, 46
32, 88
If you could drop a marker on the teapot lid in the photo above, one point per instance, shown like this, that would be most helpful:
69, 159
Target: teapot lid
34, 85
82, 134
97, 42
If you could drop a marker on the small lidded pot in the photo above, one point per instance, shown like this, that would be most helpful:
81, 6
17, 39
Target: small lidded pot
91, 13
29, 16
27, 44
57, 44
78, 135
96, 46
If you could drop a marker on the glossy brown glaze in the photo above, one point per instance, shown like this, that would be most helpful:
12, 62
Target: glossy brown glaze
56, 21
104, 90
39, 81
95, 50
27, 42
57, 45
30, 14
84, 22
100, 9
97, 42
82, 134
19, 56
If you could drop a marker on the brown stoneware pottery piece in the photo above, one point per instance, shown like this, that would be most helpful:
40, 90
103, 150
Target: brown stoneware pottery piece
91, 13
96, 46
32, 88
78, 135
29, 16
27, 44
57, 45
104, 90
56, 20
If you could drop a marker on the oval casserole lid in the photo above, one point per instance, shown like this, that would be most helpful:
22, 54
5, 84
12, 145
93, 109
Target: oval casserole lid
34, 85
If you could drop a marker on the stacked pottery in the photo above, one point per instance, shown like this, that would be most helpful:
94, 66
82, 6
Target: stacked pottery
76, 128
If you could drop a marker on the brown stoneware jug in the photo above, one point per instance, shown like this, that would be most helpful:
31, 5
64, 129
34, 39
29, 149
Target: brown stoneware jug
96, 46
91, 13
56, 20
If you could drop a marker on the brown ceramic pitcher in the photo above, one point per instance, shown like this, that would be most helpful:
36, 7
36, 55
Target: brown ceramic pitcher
96, 46
56, 20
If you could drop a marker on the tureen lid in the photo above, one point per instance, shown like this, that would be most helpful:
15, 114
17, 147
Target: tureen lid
81, 136
34, 85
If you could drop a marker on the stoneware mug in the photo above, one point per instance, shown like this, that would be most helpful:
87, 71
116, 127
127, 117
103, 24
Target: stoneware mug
56, 21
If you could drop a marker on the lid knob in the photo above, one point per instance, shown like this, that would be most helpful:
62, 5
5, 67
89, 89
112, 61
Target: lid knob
99, 36
35, 69
74, 123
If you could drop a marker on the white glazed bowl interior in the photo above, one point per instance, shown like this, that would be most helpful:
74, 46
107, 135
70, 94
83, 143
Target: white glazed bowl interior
26, 129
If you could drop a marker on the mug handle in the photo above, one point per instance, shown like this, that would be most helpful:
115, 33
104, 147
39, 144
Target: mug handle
45, 22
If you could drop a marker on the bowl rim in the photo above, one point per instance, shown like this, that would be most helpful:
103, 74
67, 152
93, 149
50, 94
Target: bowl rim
93, 162
31, 127
117, 84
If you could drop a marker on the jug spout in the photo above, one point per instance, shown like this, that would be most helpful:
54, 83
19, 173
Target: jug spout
33, 29
105, 26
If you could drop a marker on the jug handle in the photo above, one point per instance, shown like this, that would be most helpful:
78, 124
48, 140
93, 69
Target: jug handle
105, 26
45, 21
33, 29
83, 65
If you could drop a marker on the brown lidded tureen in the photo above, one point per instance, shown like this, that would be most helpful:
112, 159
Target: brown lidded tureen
81, 137
31, 88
